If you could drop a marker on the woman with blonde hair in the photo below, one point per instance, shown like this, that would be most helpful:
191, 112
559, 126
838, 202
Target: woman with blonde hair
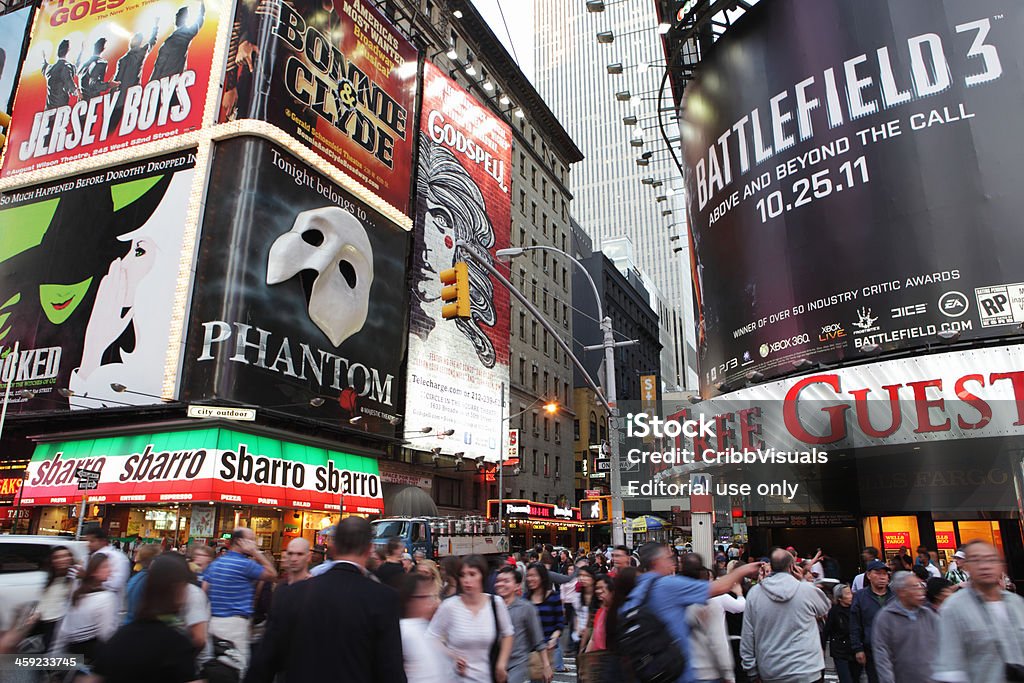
429, 568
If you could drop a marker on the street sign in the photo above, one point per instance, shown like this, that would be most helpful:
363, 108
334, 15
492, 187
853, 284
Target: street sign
223, 412
591, 493
87, 479
700, 492
604, 464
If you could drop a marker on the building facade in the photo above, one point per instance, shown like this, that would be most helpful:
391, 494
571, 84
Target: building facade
614, 121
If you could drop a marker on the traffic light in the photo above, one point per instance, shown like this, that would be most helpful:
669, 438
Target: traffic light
5, 123
455, 292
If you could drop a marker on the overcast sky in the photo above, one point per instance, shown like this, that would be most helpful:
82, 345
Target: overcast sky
519, 16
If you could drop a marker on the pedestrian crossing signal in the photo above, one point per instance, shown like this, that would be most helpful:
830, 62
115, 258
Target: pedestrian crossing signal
455, 292
595, 509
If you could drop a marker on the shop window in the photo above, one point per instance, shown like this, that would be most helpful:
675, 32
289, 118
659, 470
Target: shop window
447, 492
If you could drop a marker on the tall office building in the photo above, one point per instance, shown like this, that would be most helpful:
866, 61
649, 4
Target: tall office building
597, 89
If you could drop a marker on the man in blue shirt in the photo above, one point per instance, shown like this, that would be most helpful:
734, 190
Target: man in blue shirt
673, 594
230, 582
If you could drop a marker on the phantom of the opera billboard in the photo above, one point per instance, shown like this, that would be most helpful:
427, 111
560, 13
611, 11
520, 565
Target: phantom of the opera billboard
105, 76
336, 75
456, 368
201, 465
299, 302
88, 267
855, 189
13, 33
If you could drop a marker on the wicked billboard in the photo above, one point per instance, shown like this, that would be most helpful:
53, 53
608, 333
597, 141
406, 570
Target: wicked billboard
88, 308
456, 368
104, 76
855, 188
299, 293
336, 75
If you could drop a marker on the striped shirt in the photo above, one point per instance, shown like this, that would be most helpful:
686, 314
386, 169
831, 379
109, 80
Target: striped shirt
551, 615
232, 581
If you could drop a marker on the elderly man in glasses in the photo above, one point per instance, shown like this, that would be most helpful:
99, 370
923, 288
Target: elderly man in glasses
906, 634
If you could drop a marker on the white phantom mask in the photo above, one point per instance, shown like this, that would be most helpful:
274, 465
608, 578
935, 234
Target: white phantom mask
333, 243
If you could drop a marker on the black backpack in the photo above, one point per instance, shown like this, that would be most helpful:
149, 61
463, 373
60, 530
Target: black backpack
645, 641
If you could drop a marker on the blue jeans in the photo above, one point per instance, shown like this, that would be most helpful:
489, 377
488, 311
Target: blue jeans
557, 660
848, 670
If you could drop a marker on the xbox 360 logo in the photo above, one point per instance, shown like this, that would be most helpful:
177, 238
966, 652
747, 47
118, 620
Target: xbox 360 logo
763, 350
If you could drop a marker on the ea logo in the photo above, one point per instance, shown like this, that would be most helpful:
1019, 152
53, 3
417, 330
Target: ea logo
953, 304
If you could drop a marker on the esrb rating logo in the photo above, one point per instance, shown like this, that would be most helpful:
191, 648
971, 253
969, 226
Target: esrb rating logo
1000, 304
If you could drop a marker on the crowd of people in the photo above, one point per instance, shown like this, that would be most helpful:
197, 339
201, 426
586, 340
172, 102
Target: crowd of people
231, 615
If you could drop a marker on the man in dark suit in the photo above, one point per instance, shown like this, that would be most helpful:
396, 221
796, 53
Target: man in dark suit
340, 626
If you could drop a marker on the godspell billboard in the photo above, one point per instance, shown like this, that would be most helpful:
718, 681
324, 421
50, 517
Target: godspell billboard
299, 302
456, 368
105, 76
336, 75
88, 268
853, 185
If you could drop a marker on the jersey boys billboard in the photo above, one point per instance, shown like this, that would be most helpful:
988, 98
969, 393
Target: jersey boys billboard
456, 368
856, 187
337, 76
87, 268
299, 294
104, 76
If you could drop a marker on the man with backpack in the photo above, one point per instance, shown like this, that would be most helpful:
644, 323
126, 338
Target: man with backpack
653, 634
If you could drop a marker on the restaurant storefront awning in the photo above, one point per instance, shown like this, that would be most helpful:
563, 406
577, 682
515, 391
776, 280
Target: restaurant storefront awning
204, 465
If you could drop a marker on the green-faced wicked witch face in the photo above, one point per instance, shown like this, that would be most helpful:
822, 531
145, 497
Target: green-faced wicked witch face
59, 249
60, 301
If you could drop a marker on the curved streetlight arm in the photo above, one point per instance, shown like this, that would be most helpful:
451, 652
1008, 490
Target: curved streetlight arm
519, 251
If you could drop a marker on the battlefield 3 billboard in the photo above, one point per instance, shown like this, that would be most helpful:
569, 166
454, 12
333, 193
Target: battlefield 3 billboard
853, 172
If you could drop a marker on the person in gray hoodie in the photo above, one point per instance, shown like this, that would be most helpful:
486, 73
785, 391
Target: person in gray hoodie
903, 630
780, 640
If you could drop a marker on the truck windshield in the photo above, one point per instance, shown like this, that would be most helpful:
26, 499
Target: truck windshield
390, 527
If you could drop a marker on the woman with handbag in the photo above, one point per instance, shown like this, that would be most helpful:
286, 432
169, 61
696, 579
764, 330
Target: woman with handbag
597, 661
474, 628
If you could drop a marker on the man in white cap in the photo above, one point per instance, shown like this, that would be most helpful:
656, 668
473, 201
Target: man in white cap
955, 574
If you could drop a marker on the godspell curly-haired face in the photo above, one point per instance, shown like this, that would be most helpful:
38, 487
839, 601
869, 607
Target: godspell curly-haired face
330, 252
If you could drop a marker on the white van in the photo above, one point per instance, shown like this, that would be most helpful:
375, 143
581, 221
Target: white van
23, 569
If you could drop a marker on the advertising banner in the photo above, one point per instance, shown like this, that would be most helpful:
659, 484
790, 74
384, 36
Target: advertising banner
88, 268
855, 188
939, 397
13, 34
336, 75
105, 76
299, 304
216, 465
456, 368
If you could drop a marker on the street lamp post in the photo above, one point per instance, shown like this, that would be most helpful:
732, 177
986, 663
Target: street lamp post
608, 344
